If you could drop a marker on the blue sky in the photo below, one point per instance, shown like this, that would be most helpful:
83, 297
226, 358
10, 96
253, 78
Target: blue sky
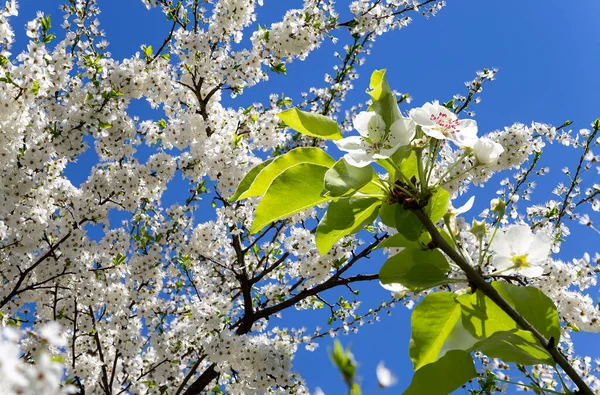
547, 53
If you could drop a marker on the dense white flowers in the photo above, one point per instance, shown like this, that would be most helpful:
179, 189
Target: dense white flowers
115, 282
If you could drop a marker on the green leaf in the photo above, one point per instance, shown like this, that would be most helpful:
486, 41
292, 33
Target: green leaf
396, 241
147, 51
438, 205
407, 161
397, 269
384, 100
515, 346
281, 163
279, 68
248, 179
443, 376
343, 177
482, 317
432, 322
536, 307
35, 88
344, 361
387, 214
104, 125
424, 276
310, 124
297, 188
343, 217
407, 223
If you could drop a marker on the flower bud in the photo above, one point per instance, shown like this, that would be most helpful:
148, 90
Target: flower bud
487, 151
478, 228
498, 206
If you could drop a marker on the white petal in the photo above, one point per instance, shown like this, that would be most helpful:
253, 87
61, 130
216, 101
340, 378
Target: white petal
421, 116
520, 238
358, 158
352, 143
531, 271
370, 124
501, 244
361, 122
393, 287
434, 132
540, 247
385, 376
465, 207
467, 134
401, 132
502, 262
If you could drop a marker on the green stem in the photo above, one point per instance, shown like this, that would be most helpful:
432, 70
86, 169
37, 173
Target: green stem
422, 179
463, 156
531, 386
479, 281
438, 184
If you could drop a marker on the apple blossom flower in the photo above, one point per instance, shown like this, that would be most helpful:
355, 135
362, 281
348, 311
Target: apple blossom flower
375, 141
384, 376
518, 250
440, 123
487, 151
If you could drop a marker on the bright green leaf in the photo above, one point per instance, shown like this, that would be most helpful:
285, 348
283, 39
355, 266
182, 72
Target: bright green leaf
432, 322
397, 269
482, 317
343, 217
396, 241
387, 214
384, 100
315, 125
406, 158
438, 205
532, 304
296, 189
104, 125
35, 88
424, 276
147, 51
515, 346
248, 178
343, 177
443, 376
281, 163
407, 223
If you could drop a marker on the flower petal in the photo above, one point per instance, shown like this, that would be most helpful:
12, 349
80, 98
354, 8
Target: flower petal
502, 262
358, 158
370, 124
466, 136
421, 116
531, 271
401, 132
465, 207
352, 143
540, 247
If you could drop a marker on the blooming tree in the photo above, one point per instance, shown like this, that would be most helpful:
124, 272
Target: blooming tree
165, 303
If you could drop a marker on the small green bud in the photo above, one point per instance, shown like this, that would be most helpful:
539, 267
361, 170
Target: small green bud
478, 228
498, 206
